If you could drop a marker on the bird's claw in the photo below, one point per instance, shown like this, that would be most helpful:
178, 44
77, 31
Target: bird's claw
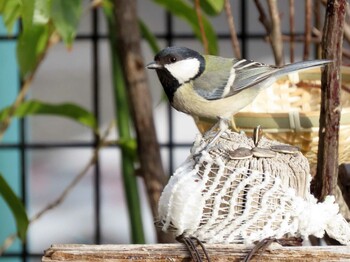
219, 128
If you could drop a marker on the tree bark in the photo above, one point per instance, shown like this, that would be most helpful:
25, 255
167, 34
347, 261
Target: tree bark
327, 166
129, 48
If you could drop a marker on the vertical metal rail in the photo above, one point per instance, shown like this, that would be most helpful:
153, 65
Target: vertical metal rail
96, 110
244, 15
169, 40
24, 176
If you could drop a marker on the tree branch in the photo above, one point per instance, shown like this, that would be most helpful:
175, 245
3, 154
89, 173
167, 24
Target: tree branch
233, 33
327, 159
292, 30
308, 16
275, 33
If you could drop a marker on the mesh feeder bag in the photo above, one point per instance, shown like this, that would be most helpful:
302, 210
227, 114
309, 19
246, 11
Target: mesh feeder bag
239, 191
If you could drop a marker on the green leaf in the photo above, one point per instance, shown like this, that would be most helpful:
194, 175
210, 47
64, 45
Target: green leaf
42, 12
149, 37
35, 107
34, 38
35, 12
212, 7
184, 11
10, 11
16, 206
65, 16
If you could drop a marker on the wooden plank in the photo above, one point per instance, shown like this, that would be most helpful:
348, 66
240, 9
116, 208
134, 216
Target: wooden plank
178, 252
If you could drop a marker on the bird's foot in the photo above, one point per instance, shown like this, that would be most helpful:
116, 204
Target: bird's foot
192, 248
219, 128
262, 245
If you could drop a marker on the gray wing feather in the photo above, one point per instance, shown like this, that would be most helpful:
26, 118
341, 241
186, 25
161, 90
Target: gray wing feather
211, 84
254, 73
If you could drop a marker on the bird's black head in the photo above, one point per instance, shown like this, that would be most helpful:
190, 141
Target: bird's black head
176, 66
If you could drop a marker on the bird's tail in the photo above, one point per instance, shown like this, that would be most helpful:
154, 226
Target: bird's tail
302, 65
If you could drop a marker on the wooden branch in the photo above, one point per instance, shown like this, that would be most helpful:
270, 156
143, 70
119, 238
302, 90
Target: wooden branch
317, 25
263, 17
276, 33
292, 30
129, 45
197, 7
325, 181
231, 23
178, 252
308, 16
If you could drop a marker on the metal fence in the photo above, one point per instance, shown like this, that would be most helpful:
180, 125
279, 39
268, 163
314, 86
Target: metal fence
24, 147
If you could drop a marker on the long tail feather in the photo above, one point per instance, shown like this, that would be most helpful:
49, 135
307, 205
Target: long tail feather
302, 65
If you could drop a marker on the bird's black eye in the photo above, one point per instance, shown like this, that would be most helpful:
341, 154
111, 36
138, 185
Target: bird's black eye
172, 59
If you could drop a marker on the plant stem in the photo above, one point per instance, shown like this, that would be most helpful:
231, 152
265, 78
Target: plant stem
129, 48
201, 26
123, 123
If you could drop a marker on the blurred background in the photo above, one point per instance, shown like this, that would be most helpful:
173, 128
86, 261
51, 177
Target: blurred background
41, 155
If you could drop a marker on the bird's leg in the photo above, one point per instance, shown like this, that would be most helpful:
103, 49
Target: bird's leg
259, 247
219, 128
189, 243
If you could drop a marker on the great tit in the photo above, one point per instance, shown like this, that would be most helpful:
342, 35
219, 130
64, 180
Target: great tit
207, 86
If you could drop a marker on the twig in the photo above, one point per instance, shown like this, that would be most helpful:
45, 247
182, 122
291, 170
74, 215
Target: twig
308, 9
263, 17
276, 34
346, 24
76, 180
7, 243
19, 99
347, 32
231, 24
299, 38
292, 30
318, 25
346, 53
54, 38
201, 26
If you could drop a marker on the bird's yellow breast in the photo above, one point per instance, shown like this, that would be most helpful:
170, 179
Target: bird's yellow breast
188, 101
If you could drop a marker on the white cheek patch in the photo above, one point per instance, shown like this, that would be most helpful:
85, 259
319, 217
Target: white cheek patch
184, 70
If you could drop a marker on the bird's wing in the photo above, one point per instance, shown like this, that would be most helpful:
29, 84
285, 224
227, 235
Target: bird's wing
225, 77
249, 73
212, 82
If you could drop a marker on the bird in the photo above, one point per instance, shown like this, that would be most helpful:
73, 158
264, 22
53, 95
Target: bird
212, 87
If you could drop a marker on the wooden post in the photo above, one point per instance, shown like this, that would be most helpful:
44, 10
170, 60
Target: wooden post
178, 252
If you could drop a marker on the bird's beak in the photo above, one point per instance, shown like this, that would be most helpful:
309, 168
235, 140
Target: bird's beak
154, 65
